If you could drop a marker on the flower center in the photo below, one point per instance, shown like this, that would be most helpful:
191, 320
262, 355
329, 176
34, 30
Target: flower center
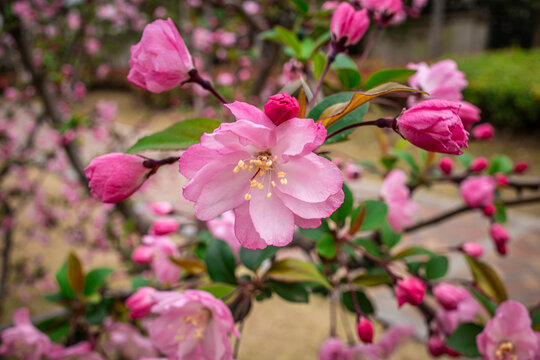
505, 351
197, 321
261, 165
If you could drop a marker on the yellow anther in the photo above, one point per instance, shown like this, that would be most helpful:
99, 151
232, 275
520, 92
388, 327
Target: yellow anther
283, 181
281, 174
247, 197
268, 195
260, 186
169, 326
241, 163
273, 183
178, 338
261, 173
244, 167
253, 183
275, 157
250, 168
236, 169
269, 163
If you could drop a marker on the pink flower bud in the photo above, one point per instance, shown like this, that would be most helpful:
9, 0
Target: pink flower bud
348, 26
502, 180
448, 296
489, 210
483, 132
479, 164
446, 165
521, 167
434, 125
436, 346
469, 114
500, 237
164, 226
478, 191
143, 254
115, 177
352, 171
474, 250
365, 330
281, 107
161, 60
162, 208
141, 302
410, 290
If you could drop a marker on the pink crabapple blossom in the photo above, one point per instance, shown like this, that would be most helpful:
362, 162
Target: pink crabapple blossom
365, 330
410, 290
483, 131
260, 170
222, 228
348, 26
191, 325
479, 164
508, 335
478, 191
448, 296
500, 237
434, 125
446, 165
24, 339
161, 60
396, 195
141, 302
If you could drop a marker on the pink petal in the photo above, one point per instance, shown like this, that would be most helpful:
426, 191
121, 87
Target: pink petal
306, 223
243, 111
271, 218
310, 178
195, 158
311, 210
298, 137
244, 229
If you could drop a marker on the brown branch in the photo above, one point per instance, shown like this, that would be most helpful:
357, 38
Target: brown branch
464, 208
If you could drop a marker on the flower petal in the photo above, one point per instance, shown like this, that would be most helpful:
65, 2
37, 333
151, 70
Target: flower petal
310, 178
244, 229
311, 210
244, 111
271, 218
195, 158
298, 137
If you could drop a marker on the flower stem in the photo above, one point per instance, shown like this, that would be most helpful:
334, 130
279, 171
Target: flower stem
195, 77
382, 123
369, 45
331, 59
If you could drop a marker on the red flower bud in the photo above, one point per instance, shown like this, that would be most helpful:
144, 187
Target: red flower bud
489, 210
410, 290
479, 164
500, 237
365, 330
446, 165
521, 167
473, 249
483, 132
281, 107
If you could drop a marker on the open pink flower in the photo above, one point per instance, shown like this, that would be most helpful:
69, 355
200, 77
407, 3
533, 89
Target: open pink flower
191, 325
24, 340
508, 335
478, 191
383, 11
161, 60
396, 194
81, 351
268, 174
467, 310
441, 80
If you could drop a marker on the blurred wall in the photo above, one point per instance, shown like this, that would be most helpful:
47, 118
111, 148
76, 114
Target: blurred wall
462, 33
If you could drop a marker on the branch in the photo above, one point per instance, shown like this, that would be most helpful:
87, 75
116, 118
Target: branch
465, 208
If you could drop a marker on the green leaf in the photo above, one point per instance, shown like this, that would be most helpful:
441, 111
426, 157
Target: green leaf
386, 75
55, 297
413, 251
75, 273
291, 292
535, 317
301, 5
363, 302
293, 271
436, 267
63, 278
319, 62
488, 305
354, 117
181, 135
59, 332
500, 164
463, 340
95, 280
290, 39
192, 266
318, 233
465, 160
372, 279
327, 247
388, 236
375, 214
344, 210
307, 49
487, 279
219, 290
252, 259
137, 282
408, 158
220, 262
388, 162
343, 61
500, 213
96, 313
327, 102
370, 246
347, 72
